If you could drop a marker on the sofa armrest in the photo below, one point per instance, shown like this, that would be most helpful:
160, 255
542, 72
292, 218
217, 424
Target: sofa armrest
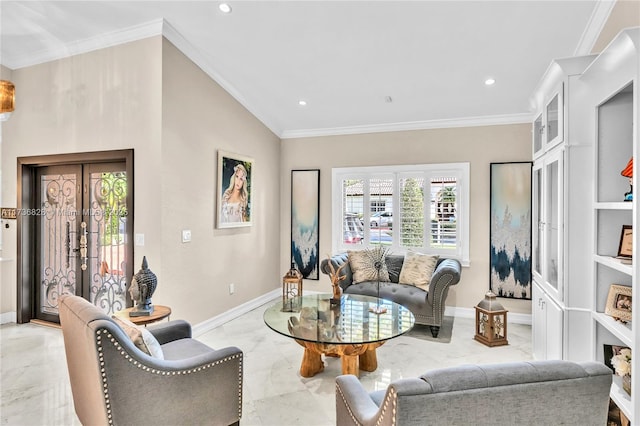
446, 274
353, 403
338, 261
169, 331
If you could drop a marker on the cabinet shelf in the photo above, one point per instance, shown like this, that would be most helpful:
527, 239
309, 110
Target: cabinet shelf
614, 206
621, 398
614, 263
618, 329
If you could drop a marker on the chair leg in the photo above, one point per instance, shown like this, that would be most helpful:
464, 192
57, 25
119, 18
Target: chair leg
434, 330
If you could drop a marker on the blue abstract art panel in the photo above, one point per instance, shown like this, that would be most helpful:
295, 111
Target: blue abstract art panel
511, 230
305, 220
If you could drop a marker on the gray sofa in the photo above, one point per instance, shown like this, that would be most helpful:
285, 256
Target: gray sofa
427, 307
520, 393
114, 382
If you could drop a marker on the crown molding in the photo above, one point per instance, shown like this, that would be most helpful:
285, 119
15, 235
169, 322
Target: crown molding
596, 22
494, 120
113, 38
205, 64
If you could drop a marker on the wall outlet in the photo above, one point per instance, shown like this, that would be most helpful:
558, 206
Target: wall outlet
232, 288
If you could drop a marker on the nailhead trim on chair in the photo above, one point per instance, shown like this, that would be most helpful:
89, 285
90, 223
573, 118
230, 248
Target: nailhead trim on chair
391, 396
154, 371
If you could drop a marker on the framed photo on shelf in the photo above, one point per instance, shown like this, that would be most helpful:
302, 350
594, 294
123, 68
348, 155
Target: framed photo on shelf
619, 302
625, 249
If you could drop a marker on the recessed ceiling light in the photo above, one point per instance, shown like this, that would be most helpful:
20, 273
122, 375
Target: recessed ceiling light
490, 81
302, 103
224, 8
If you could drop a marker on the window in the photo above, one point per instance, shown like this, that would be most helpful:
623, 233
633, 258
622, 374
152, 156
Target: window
378, 206
422, 207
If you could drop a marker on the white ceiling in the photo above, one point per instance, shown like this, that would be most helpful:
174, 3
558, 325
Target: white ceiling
342, 57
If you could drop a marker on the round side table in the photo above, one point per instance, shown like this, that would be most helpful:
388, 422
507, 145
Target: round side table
159, 313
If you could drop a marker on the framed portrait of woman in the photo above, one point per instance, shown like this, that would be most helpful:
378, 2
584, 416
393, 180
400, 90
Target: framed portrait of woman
234, 193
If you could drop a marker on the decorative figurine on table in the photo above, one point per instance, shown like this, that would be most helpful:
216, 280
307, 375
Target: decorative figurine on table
628, 173
335, 281
142, 286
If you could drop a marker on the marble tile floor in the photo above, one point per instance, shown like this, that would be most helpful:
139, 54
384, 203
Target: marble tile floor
34, 384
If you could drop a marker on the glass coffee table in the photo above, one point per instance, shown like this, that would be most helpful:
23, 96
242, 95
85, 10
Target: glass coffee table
347, 330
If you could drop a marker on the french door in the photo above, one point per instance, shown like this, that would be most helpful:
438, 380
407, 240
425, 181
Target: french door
78, 236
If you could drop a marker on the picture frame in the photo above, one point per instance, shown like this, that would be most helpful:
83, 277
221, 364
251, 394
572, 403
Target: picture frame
619, 301
625, 248
305, 222
510, 229
234, 207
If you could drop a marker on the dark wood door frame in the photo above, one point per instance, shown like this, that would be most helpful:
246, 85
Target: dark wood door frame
27, 166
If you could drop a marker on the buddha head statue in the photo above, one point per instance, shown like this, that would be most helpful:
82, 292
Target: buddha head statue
142, 286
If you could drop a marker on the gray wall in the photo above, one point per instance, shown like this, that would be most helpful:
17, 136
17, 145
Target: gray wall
148, 96
477, 145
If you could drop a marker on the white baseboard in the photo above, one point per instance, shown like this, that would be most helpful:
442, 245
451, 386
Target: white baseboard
234, 313
8, 317
514, 318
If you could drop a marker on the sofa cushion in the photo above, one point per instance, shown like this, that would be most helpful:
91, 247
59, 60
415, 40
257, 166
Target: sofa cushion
418, 268
409, 296
141, 337
361, 263
184, 348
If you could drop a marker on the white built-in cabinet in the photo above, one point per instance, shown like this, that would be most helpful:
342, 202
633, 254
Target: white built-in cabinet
547, 330
612, 104
561, 201
578, 208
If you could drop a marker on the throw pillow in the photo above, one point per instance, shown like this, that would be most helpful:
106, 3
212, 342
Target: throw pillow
141, 337
362, 266
418, 268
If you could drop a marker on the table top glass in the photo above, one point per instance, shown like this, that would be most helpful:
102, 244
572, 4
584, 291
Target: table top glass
315, 319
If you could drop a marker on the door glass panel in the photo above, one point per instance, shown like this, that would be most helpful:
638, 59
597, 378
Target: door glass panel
107, 238
552, 223
58, 214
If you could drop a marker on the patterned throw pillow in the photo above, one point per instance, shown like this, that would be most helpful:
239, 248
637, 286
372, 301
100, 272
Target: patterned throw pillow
417, 269
141, 337
362, 266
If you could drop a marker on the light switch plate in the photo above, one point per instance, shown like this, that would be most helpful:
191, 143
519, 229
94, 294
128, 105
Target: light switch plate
140, 240
186, 235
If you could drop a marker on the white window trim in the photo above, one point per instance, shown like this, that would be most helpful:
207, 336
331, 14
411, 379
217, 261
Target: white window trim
459, 170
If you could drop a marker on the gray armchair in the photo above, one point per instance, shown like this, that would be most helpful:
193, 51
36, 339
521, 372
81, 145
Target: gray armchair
113, 382
519, 393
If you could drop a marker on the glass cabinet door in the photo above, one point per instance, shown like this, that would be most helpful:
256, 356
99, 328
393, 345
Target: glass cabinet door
553, 125
552, 223
537, 135
538, 226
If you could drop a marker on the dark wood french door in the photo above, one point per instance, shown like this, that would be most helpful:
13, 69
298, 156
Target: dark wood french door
77, 231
